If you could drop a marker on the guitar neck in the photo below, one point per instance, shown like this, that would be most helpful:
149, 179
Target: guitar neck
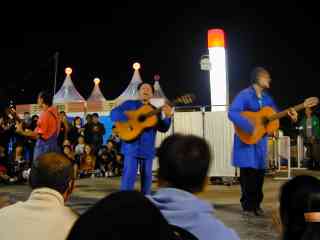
285, 112
158, 110
153, 112
184, 99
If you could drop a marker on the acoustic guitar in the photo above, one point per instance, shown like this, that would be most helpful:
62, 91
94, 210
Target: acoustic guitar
266, 121
144, 117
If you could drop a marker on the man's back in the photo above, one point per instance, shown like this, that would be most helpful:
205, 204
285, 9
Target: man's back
184, 161
42, 216
185, 210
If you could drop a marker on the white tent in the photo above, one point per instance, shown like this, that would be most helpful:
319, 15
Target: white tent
96, 94
131, 91
68, 93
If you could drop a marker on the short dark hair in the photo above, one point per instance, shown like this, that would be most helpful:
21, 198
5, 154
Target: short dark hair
47, 97
75, 119
294, 198
255, 72
140, 85
67, 146
52, 170
184, 161
120, 210
34, 116
95, 115
81, 136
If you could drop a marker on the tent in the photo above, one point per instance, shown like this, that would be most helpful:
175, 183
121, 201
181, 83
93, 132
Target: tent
131, 91
97, 103
68, 93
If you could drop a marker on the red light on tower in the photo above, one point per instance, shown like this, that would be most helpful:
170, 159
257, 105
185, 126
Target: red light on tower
216, 38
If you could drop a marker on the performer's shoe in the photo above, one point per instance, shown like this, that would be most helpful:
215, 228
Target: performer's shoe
246, 213
259, 212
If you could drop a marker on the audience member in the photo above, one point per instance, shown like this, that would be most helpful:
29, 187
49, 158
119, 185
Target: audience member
295, 197
44, 215
184, 161
122, 215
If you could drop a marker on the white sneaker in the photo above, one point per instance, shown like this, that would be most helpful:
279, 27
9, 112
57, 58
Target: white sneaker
26, 174
14, 179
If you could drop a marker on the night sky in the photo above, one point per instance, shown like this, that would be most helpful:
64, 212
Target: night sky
166, 40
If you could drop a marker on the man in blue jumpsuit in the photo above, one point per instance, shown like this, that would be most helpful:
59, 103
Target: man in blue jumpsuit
251, 159
140, 151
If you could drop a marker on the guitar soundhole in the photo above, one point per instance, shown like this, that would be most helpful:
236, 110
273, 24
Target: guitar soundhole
265, 121
141, 118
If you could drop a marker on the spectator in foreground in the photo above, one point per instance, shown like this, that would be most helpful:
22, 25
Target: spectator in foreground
44, 215
294, 199
183, 166
312, 218
124, 214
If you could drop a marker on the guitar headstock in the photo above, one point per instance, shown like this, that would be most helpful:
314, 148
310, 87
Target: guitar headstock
311, 102
185, 99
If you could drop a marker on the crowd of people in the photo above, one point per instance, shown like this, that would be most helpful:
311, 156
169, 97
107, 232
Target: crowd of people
82, 143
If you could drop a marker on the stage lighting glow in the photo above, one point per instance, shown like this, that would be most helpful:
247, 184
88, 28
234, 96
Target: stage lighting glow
136, 66
68, 71
96, 81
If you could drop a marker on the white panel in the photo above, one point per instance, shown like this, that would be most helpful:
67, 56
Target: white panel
188, 123
219, 133
160, 137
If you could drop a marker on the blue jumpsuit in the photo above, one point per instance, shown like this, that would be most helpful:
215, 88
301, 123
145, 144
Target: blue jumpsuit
139, 151
251, 159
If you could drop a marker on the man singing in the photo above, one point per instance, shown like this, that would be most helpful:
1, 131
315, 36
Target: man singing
140, 151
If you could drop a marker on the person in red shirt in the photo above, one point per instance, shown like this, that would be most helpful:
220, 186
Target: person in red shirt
48, 127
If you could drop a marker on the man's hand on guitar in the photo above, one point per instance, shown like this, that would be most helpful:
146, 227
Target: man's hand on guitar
167, 110
292, 113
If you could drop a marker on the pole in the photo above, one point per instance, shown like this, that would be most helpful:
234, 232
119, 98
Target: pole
56, 56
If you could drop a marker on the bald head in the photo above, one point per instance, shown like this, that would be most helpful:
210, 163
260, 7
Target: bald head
52, 170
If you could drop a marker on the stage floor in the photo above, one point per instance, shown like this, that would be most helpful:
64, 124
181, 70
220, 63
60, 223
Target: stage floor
224, 198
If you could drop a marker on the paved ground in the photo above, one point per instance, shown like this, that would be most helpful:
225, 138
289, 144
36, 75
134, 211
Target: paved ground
224, 198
